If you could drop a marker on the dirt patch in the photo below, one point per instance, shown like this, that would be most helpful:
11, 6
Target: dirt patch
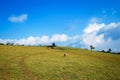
26, 71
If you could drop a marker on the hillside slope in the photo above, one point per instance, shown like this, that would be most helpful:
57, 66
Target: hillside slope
41, 63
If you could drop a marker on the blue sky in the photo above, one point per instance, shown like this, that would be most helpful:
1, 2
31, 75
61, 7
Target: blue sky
74, 23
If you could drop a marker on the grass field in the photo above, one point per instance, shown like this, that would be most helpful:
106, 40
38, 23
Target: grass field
41, 63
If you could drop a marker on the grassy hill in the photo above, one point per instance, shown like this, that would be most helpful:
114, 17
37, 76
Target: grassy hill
41, 63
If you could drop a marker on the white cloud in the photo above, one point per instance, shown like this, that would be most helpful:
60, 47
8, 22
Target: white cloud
94, 27
90, 37
7, 41
95, 34
59, 38
33, 40
112, 25
43, 40
20, 18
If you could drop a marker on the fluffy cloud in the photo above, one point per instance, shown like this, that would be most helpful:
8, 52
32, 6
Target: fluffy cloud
90, 36
59, 38
20, 18
94, 27
43, 40
102, 36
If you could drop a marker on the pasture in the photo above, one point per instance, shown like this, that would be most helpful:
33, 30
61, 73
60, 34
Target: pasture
41, 63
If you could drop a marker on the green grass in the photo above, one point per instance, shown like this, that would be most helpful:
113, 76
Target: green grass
41, 63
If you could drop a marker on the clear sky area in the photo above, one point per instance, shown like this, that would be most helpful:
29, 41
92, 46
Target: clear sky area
74, 23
